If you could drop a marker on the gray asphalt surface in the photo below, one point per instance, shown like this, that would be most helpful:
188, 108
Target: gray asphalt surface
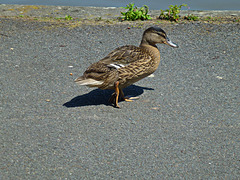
184, 126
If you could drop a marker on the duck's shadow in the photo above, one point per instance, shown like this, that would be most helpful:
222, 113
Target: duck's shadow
97, 96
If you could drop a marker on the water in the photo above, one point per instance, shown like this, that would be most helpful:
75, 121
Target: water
153, 4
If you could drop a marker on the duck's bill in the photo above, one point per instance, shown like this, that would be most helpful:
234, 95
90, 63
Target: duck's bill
170, 43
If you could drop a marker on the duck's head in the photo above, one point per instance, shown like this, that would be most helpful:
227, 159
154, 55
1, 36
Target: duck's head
155, 35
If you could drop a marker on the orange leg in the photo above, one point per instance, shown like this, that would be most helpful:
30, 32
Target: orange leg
114, 98
124, 98
118, 94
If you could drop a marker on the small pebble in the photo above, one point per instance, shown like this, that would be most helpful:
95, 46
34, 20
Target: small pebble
151, 75
219, 77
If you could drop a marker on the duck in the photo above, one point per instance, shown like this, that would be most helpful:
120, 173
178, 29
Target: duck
126, 65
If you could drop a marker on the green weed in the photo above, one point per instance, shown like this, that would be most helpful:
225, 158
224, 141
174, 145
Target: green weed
135, 13
171, 14
68, 17
207, 18
98, 19
191, 17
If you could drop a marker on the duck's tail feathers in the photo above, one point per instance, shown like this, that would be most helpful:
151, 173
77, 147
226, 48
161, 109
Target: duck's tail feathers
88, 82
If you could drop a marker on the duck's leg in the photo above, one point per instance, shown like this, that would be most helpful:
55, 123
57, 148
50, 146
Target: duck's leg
117, 94
129, 99
114, 98
123, 97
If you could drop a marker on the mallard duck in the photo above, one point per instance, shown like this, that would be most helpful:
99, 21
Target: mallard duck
126, 65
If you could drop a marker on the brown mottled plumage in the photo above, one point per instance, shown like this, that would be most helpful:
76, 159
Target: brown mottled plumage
126, 65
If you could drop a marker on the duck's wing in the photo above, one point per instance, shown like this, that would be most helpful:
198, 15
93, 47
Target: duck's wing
95, 75
123, 56
105, 69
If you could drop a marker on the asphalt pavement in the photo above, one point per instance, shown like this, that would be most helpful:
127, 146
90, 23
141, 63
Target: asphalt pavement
185, 124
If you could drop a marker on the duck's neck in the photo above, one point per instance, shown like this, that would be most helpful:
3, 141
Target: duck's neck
144, 42
150, 47
153, 50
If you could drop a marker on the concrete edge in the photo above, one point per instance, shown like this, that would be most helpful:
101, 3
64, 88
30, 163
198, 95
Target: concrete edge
92, 12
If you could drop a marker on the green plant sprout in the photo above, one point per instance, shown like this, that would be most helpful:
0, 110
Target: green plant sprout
68, 17
134, 13
172, 13
191, 17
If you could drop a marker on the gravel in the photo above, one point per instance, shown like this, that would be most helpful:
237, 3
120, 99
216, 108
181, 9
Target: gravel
184, 126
